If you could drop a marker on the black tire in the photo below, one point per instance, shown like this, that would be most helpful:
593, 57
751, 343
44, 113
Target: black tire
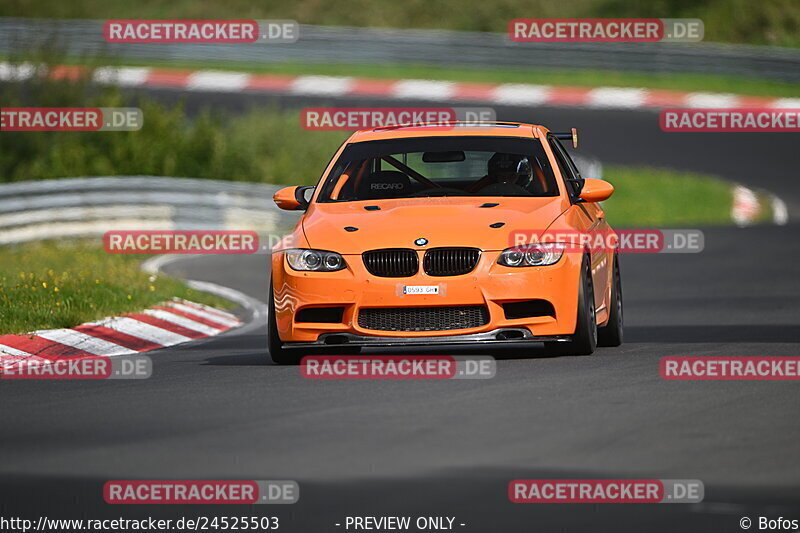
279, 354
611, 333
584, 340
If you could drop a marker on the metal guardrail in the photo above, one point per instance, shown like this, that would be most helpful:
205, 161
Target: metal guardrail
88, 207
323, 44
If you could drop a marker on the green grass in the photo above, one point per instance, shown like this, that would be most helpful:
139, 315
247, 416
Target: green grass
263, 145
63, 284
646, 197
773, 22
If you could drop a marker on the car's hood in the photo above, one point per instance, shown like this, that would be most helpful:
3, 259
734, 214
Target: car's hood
453, 221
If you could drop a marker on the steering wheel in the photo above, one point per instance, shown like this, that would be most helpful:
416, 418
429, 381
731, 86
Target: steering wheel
528, 181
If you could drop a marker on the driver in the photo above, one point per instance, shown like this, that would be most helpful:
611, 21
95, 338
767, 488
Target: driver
507, 175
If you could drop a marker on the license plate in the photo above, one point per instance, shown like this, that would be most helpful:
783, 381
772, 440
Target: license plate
421, 289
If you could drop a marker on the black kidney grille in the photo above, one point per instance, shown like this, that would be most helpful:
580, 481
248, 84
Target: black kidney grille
450, 261
391, 262
423, 318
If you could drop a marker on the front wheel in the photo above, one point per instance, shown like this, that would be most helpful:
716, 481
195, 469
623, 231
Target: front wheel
584, 341
611, 333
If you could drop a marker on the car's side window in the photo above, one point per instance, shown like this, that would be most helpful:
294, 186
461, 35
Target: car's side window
568, 168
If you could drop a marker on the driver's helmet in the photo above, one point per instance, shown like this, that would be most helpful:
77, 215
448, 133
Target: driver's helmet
510, 168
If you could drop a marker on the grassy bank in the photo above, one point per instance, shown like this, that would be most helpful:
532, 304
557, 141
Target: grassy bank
262, 145
62, 284
773, 22
654, 197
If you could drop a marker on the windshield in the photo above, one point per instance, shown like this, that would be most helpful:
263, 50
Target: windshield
440, 166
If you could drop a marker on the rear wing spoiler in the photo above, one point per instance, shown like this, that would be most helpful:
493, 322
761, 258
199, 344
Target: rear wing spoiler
572, 135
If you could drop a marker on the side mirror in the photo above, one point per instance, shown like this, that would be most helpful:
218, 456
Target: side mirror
595, 190
293, 198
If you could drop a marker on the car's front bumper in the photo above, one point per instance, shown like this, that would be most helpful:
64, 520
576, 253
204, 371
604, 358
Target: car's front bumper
489, 284
498, 336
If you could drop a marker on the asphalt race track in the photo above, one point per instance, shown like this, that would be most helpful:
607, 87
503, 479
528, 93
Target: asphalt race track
219, 410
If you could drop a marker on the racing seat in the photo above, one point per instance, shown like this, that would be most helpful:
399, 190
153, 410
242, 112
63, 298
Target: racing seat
384, 184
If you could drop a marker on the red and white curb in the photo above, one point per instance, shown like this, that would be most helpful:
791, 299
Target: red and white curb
400, 89
747, 207
171, 323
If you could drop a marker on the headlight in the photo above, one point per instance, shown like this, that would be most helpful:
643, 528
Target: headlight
540, 254
317, 260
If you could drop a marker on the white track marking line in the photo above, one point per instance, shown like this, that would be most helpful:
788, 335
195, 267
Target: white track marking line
521, 93
616, 97
203, 314
182, 321
153, 265
123, 76
10, 356
325, 85
211, 310
783, 103
712, 100
423, 89
10, 350
780, 213
142, 330
210, 80
16, 72
82, 341
745, 206
258, 308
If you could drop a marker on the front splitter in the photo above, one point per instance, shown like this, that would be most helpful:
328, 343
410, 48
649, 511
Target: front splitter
497, 336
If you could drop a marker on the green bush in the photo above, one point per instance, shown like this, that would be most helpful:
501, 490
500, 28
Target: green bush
262, 145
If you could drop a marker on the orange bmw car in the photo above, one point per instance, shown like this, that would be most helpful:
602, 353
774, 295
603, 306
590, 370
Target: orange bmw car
411, 238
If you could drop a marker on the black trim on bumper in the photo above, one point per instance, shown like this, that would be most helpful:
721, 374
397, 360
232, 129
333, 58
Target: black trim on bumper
490, 337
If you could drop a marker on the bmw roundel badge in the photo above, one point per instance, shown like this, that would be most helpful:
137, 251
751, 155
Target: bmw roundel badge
421, 241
